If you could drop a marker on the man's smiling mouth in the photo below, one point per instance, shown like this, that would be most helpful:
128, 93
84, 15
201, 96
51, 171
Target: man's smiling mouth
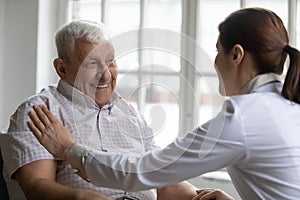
102, 86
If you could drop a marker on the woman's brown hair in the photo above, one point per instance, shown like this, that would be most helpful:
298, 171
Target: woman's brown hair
262, 33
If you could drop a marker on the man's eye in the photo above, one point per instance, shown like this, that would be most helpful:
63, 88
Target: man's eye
91, 65
109, 62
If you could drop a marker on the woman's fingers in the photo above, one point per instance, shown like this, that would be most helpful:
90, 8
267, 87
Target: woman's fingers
36, 121
208, 194
50, 132
41, 115
201, 194
35, 130
41, 118
49, 115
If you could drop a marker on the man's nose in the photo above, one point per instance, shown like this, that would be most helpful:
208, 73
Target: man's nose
104, 74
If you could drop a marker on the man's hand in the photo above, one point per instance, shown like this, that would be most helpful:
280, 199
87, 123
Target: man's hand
179, 191
212, 194
50, 132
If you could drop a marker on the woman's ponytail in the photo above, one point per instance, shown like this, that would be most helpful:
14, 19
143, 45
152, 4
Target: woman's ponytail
291, 86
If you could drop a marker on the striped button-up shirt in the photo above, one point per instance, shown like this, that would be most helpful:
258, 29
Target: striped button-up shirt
116, 127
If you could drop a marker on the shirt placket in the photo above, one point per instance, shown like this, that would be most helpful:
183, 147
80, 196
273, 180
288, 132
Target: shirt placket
99, 130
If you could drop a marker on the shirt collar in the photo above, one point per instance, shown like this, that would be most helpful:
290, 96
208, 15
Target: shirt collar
258, 81
115, 98
82, 100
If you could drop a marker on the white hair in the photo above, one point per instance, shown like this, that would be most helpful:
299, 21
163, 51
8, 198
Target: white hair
80, 29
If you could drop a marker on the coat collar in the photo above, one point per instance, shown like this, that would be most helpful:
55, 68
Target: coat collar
258, 81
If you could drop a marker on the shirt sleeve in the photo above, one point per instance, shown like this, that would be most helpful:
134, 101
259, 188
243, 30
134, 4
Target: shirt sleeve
214, 145
19, 146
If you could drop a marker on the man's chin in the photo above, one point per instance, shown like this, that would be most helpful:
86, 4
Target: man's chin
103, 97
101, 103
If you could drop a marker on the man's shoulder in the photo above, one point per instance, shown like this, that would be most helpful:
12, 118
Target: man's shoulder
46, 96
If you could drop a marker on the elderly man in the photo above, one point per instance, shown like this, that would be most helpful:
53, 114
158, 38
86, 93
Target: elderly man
86, 103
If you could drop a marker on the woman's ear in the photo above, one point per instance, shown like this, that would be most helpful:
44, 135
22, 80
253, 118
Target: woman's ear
237, 54
59, 66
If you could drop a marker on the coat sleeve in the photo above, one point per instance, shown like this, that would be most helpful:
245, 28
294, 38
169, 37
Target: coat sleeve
214, 145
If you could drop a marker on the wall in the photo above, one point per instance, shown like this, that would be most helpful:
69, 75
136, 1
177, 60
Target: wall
27, 49
2, 14
52, 14
19, 56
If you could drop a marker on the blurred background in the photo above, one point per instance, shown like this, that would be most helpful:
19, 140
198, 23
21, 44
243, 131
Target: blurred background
165, 51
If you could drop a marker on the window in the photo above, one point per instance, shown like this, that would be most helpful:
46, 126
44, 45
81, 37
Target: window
165, 51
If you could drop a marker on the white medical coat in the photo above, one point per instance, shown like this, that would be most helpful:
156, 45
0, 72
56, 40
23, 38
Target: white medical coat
256, 136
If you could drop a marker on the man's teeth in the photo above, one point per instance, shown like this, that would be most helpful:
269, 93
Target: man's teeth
102, 86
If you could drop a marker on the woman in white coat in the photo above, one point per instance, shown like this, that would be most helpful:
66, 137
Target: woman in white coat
256, 135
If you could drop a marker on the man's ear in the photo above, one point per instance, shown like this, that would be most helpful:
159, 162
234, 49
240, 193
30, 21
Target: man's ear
59, 66
237, 54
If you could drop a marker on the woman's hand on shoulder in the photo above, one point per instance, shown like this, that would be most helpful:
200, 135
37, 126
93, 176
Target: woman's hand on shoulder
209, 194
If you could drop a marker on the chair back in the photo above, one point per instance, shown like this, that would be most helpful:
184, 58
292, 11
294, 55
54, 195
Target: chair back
3, 188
